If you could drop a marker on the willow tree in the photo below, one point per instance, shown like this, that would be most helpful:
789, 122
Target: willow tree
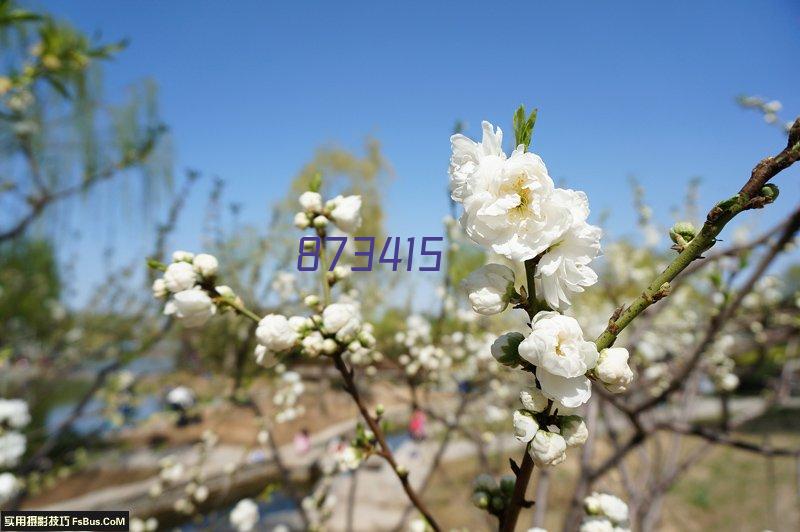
59, 138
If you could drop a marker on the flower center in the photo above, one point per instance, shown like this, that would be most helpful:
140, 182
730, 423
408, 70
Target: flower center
517, 186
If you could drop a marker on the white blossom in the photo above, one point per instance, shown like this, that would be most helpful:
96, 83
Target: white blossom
244, 515
181, 396
14, 413
159, 288
313, 344
275, 333
9, 486
319, 221
348, 458
225, 291
507, 201
182, 256
205, 264
341, 319
301, 220
490, 288
346, 213
525, 427
143, 525
533, 400
547, 449
729, 382
596, 524
562, 357
265, 357
12, 447
564, 268
285, 285
311, 201
179, 276
194, 307
612, 368
574, 431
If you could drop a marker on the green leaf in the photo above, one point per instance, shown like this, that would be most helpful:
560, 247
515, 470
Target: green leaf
316, 183
523, 126
510, 351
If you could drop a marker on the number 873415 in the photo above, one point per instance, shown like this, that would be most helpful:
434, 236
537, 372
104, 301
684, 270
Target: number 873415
394, 252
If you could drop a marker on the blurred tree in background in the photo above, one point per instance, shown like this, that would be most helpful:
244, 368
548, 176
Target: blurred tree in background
59, 138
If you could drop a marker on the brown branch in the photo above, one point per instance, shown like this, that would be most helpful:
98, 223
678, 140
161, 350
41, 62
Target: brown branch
438, 457
385, 450
722, 438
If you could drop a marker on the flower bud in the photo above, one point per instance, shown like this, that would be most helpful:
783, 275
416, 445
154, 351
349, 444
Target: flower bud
533, 400
301, 220
159, 288
182, 256
311, 300
682, 233
205, 264
329, 346
612, 369
574, 430
320, 222
770, 192
507, 483
506, 349
484, 482
311, 201
525, 427
498, 503
490, 288
547, 449
480, 499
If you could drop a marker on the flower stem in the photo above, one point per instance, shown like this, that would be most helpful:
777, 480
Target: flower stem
386, 451
749, 197
511, 515
244, 311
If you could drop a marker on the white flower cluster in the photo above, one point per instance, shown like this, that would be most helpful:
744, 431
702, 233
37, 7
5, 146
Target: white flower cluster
547, 434
769, 110
14, 416
188, 282
344, 211
605, 513
421, 358
287, 394
143, 525
338, 328
285, 285
174, 473
244, 516
721, 366
512, 207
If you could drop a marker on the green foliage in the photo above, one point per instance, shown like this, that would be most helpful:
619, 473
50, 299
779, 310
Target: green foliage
523, 126
29, 281
54, 119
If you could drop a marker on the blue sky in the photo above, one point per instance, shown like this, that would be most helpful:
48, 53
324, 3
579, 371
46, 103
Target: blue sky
249, 89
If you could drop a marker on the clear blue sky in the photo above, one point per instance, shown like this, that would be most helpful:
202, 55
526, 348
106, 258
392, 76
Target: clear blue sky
624, 88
